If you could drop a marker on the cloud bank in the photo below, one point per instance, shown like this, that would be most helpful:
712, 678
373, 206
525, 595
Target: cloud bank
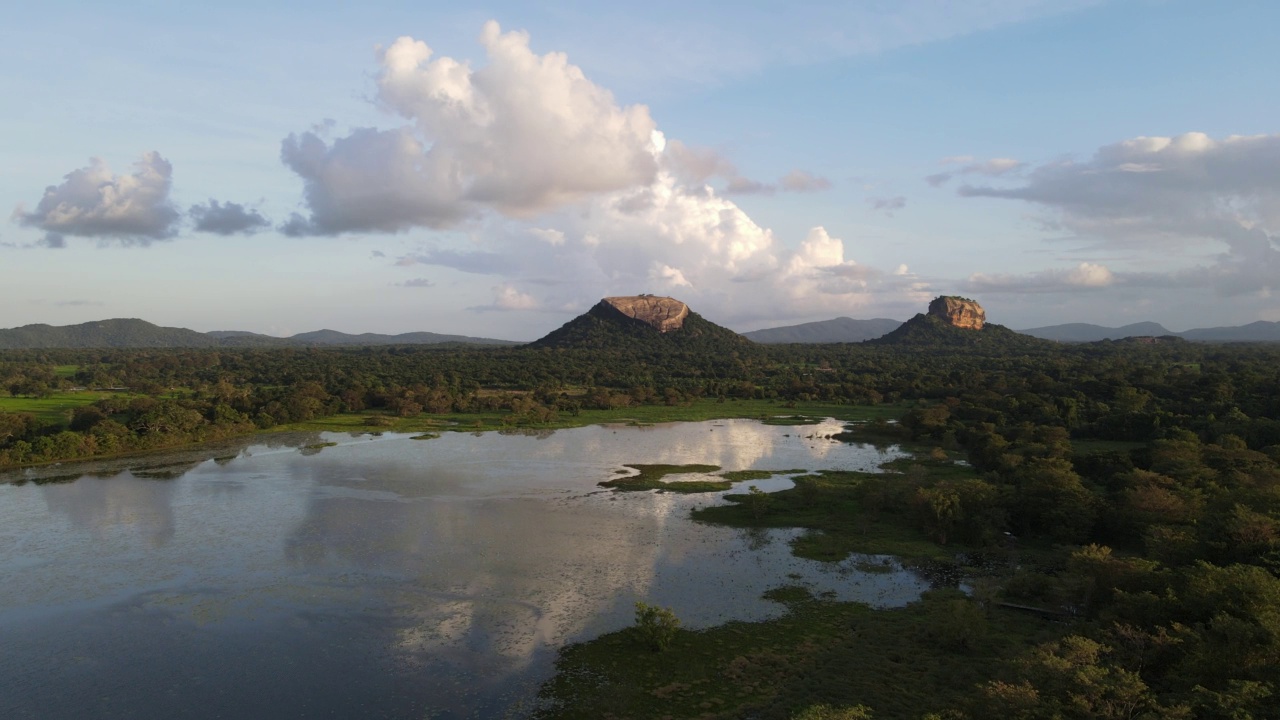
1158, 195
566, 196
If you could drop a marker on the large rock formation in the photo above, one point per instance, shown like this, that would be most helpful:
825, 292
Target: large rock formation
663, 313
643, 324
959, 312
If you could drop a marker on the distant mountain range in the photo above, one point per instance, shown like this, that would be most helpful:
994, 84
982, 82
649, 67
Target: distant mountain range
845, 330
839, 330
134, 333
1261, 331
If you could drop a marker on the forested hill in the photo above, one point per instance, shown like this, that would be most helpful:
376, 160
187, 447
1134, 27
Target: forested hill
134, 333
605, 328
927, 331
838, 330
118, 333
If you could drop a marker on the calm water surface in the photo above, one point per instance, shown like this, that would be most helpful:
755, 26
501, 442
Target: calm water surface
383, 577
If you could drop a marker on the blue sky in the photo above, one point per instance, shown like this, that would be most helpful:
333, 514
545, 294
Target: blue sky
289, 166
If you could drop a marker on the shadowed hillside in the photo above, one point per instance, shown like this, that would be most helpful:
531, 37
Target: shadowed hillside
838, 330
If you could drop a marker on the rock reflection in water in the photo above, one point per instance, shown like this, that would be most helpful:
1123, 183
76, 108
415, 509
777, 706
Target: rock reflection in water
385, 576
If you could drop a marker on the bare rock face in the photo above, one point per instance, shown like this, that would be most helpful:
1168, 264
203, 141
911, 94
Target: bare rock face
958, 311
664, 313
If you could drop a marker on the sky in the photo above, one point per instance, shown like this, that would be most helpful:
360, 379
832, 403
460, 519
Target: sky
495, 169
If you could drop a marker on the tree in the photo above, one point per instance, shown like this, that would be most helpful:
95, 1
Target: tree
830, 712
656, 626
939, 508
758, 501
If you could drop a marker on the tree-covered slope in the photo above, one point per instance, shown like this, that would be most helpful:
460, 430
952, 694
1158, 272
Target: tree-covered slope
929, 331
605, 328
116, 333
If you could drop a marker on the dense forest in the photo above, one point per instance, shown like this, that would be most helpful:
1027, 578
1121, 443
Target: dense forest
1141, 478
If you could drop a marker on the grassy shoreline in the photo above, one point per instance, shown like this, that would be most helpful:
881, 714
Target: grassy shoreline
901, 663
768, 411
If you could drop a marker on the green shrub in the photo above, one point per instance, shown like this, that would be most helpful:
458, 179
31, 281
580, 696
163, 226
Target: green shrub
656, 626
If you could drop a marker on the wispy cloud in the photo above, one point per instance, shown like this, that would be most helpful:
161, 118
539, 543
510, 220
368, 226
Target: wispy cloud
1156, 194
887, 205
417, 283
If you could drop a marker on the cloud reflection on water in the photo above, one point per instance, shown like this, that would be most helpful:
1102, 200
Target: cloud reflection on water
465, 560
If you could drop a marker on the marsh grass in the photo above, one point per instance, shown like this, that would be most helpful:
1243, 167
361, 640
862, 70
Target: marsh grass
649, 477
742, 475
833, 506
837, 653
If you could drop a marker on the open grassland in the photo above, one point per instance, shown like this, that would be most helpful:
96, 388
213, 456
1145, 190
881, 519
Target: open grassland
53, 409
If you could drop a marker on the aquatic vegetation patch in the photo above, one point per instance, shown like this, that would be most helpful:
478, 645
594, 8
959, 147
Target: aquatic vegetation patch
649, 477
842, 654
791, 420
741, 475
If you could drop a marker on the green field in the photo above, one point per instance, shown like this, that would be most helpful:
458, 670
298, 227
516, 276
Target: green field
54, 409
65, 371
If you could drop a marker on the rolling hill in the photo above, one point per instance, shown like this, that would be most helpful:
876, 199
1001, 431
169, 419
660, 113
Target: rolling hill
838, 330
135, 333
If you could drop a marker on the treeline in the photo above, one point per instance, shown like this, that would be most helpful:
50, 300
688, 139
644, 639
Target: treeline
1111, 391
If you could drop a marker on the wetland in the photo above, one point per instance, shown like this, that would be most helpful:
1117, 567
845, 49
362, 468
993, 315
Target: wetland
361, 574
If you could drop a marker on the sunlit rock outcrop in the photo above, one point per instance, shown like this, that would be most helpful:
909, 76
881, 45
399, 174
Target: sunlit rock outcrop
664, 313
959, 312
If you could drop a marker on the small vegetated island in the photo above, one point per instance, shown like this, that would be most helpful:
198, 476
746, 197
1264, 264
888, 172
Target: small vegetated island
1102, 519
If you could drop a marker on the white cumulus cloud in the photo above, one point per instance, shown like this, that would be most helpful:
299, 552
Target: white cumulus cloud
94, 202
566, 196
523, 134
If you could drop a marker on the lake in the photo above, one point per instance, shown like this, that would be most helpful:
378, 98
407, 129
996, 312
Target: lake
383, 576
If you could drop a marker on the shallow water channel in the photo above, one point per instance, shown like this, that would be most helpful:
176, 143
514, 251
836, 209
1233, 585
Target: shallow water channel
381, 577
